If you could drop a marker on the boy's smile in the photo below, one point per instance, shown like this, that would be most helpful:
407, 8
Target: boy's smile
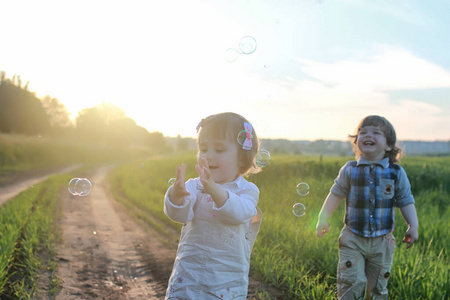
372, 143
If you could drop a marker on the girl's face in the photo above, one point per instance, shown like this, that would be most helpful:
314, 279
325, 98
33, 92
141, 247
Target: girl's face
372, 143
222, 158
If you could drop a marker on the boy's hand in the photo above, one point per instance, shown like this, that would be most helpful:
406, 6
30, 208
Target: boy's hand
179, 191
411, 235
322, 228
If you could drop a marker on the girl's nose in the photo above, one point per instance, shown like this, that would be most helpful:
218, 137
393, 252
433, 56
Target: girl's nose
207, 155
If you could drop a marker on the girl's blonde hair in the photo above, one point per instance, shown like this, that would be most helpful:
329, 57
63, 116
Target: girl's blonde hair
228, 126
395, 153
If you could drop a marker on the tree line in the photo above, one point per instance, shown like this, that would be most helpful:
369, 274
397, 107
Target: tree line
22, 112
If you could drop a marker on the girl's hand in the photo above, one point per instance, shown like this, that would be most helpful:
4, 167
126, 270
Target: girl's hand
179, 191
218, 194
411, 235
322, 228
204, 173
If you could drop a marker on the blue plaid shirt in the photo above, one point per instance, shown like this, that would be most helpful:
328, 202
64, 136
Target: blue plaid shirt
372, 190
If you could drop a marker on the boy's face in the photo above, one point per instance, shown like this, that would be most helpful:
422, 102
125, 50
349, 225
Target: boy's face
372, 143
222, 158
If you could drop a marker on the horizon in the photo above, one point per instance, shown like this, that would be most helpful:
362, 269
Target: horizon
316, 68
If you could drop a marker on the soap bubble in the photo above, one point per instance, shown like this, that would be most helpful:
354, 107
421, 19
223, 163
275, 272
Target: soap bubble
242, 136
263, 158
72, 185
298, 209
247, 45
83, 187
231, 55
303, 189
80, 186
171, 181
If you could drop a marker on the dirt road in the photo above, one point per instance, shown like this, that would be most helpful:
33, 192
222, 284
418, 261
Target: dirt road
11, 190
105, 254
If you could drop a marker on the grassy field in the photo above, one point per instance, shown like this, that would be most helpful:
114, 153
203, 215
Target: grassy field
287, 253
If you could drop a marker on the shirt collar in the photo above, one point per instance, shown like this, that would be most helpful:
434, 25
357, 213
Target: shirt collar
382, 162
239, 181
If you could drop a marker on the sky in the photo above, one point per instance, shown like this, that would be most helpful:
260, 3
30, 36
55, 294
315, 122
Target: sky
315, 69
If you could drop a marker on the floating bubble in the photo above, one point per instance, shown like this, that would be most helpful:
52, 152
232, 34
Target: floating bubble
171, 181
71, 187
247, 45
242, 136
80, 186
231, 55
302, 189
83, 187
298, 209
263, 158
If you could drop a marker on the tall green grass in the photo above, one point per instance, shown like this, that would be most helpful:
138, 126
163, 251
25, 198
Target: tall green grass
287, 253
315, 260
27, 237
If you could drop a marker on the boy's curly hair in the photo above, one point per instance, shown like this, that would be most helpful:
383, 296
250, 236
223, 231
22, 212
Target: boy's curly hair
395, 154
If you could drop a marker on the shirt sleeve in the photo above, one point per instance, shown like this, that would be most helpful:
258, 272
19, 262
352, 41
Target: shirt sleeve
341, 186
240, 206
403, 194
185, 212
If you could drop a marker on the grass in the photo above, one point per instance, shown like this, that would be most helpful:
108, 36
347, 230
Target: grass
287, 253
28, 238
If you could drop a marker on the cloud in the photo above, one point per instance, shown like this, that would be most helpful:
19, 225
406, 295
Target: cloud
392, 69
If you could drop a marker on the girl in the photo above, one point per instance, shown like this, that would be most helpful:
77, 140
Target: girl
219, 212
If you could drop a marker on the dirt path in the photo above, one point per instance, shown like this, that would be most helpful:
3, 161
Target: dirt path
102, 256
11, 190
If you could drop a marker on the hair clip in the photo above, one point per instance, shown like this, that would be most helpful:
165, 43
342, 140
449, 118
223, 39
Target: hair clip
247, 145
199, 125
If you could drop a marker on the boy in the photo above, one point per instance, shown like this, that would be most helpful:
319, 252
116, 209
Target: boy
373, 186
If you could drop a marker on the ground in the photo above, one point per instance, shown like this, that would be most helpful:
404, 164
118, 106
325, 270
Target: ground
106, 254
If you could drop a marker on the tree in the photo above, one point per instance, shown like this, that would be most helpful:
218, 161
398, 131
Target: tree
108, 123
58, 115
20, 110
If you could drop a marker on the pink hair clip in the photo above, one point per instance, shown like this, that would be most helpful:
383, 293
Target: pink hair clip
247, 145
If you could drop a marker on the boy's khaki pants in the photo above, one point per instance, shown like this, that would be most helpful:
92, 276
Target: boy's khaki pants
364, 265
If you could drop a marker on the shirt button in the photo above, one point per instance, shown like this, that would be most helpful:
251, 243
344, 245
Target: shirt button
371, 216
248, 235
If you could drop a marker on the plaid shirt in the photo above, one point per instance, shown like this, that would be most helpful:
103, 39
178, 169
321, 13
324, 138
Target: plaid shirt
372, 190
